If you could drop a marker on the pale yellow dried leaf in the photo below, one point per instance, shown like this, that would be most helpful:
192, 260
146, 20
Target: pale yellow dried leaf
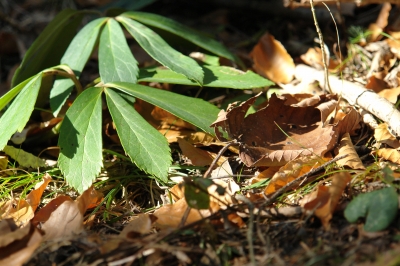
383, 135
389, 154
19, 210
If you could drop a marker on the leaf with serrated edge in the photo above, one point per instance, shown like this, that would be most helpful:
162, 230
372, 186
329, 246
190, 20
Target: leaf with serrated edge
195, 111
142, 142
157, 48
214, 76
116, 62
17, 115
183, 31
80, 140
76, 56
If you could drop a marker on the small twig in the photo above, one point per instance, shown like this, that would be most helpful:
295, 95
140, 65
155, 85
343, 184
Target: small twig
300, 179
322, 44
207, 173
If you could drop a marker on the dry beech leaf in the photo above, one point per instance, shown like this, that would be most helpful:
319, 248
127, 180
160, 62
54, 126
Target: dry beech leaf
19, 210
61, 217
325, 198
383, 135
272, 60
198, 156
17, 244
142, 224
170, 216
351, 160
290, 172
33, 198
389, 154
347, 123
278, 133
376, 82
313, 57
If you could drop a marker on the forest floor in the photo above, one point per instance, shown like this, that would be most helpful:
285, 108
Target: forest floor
244, 230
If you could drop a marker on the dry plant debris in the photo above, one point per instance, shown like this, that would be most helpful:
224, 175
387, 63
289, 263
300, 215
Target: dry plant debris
323, 168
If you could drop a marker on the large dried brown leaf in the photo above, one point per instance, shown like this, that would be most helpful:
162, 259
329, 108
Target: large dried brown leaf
278, 133
272, 60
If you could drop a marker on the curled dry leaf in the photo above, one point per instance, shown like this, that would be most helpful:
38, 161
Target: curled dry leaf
389, 154
142, 224
290, 172
35, 195
272, 60
324, 200
170, 216
17, 244
63, 216
351, 160
19, 210
197, 156
278, 133
383, 135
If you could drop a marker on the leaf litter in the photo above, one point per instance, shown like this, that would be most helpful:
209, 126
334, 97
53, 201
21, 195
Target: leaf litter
285, 216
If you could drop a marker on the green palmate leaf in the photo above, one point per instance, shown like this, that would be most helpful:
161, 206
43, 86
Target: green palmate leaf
181, 30
17, 115
116, 62
75, 57
378, 207
49, 47
25, 159
142, 142
214, 76
6, 98
157, 48
195, 111
80, 140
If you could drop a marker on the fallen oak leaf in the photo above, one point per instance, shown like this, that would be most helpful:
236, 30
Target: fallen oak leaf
346, 147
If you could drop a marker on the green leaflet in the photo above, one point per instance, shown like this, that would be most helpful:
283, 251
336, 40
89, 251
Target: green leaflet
76, 56
157, 48
49, 47
6, 98
25, 159
214, 76
142, 142
195, 111
183, 31
80, 140
116, 62
17, 115
378, 207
